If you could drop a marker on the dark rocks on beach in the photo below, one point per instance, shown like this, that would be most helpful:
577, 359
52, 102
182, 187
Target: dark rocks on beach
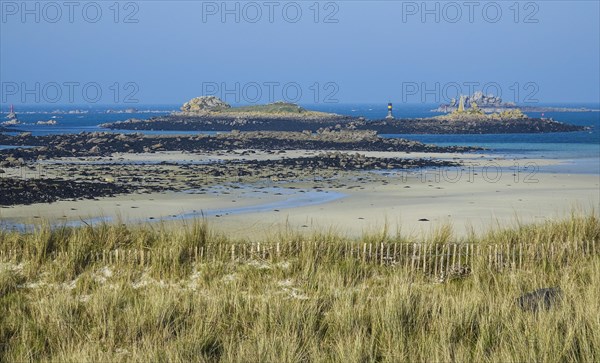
19, 191
348, 162
86, 180
82, 180
543, 298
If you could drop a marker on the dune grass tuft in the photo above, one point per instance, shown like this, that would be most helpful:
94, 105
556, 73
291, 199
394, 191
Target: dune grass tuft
60, 300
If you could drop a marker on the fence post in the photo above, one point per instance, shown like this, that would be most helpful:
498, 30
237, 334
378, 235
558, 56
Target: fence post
467, 262
387, 257
587, 244
435, 258
443, 260
453, 254
364, 256
419, 254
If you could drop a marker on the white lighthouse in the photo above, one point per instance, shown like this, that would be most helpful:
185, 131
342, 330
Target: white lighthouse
389, 116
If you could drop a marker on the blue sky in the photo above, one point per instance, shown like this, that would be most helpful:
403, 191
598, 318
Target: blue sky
548, 51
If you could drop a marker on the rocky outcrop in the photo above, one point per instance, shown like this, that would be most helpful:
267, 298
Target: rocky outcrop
490, 103
204, 104
478, 98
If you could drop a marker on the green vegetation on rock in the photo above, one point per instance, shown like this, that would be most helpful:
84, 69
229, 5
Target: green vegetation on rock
276, 107
214, 106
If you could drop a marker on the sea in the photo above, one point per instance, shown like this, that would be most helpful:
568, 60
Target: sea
577, 152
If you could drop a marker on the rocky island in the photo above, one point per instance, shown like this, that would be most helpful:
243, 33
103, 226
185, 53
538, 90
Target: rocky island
474, 120
494, 104
212, 114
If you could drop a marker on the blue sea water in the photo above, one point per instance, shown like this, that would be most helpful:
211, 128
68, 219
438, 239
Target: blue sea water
579, 152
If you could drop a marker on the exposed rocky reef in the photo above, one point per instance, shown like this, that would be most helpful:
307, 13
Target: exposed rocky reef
28, 191
343, 161
467, 125
85, 179
472, 125
83, 166
104, 144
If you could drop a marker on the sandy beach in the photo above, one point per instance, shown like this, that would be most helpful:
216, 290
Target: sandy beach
485, 192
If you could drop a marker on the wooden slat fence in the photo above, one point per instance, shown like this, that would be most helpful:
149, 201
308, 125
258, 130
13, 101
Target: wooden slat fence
436, 258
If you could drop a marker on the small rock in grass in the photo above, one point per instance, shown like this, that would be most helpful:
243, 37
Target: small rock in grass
542, 298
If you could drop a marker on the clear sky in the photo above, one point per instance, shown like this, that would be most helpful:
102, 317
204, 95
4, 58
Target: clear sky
351, 51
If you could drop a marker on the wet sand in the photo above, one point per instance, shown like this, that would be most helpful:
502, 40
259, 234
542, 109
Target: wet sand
403, 204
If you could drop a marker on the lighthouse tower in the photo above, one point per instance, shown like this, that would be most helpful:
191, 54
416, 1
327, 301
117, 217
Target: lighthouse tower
389, 116
11, 115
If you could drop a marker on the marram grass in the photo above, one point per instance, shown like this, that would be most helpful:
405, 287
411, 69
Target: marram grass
58, 303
